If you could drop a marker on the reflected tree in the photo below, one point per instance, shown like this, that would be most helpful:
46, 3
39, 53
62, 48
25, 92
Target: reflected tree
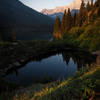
80, 59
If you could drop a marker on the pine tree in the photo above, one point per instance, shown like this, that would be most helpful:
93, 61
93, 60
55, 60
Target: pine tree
97, 3
82, 14
74, 19
88, 7
64, 22
57, 28
69, 20
99, 12
97, 7
91, 3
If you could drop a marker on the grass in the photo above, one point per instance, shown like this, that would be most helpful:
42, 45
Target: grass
84, 85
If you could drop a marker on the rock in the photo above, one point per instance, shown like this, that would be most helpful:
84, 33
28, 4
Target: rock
11, 48
16, 64
10, 66
15, 43
22, 61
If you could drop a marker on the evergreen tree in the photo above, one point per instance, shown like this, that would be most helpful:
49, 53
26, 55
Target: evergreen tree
99, 12
74, 19
69, 20
57, 28
88, 7
97, 7
91, 3
82, 14
64, 22
97, 3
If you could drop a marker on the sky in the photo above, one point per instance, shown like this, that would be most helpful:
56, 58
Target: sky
49, 4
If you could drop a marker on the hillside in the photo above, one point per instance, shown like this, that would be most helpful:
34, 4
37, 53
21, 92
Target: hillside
15, 14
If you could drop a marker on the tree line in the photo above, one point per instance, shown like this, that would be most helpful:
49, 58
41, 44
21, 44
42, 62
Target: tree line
86, 14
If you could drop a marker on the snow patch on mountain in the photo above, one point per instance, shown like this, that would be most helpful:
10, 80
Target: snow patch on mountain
74, 5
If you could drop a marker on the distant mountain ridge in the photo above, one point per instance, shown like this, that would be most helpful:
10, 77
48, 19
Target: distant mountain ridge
60, 14
75, 5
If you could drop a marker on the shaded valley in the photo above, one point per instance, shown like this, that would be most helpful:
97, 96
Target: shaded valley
16, 19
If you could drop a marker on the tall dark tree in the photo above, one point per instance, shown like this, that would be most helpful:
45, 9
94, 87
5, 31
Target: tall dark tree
69, 20
82, 14
64, 22
97, 5
57, 28
88, 7
97, 8
74, 19
91, 3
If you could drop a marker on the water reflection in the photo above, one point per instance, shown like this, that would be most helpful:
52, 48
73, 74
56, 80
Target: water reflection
59, 66
81, 59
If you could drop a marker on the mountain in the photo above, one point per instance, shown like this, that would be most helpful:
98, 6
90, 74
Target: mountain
14, 14
60, 14
55, 15
74, 6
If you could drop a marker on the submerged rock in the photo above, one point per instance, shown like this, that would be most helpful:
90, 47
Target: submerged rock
22, 61
15, 43
16, 64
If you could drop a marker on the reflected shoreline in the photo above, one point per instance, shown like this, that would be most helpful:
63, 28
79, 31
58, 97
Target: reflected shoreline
79, 58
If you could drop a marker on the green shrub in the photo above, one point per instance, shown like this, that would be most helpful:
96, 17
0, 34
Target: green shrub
87, 36
76, 31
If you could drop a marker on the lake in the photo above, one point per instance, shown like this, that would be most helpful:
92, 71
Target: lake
55, 67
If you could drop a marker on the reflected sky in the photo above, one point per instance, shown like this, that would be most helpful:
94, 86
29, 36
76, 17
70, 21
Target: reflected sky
54, 67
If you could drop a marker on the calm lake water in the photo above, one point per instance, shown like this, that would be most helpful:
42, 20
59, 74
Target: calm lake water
59, 66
